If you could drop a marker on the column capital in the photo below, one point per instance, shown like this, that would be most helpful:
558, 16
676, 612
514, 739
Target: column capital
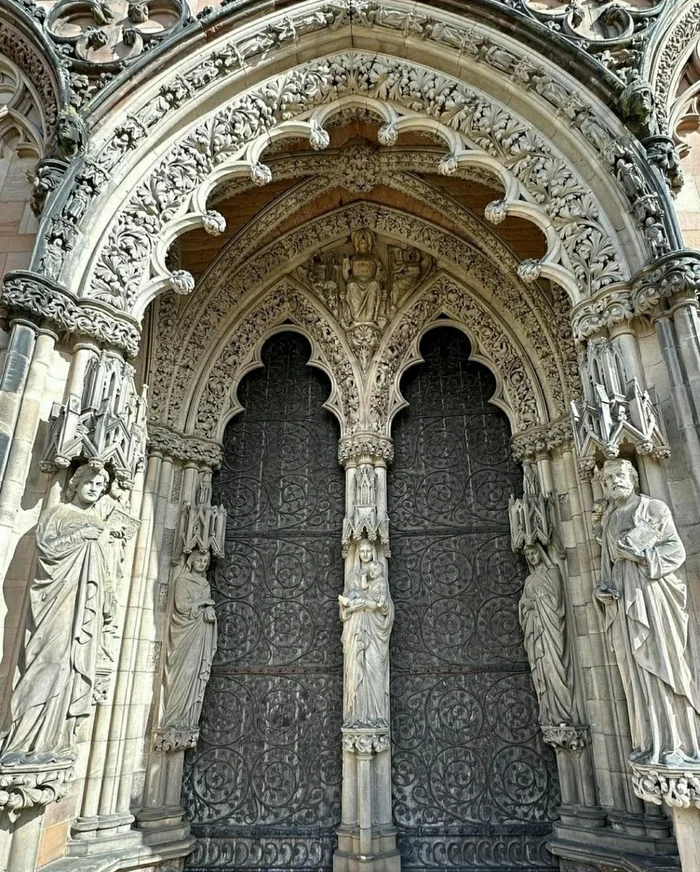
186, 447
678, 787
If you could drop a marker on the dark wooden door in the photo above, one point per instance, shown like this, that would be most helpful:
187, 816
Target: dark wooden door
474, 787
262, 788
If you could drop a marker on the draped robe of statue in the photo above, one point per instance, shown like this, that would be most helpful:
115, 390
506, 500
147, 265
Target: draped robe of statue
647, 626
66, 616
542, 618
191, 648
367, 614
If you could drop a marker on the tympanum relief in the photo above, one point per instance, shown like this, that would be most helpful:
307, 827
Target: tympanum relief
363, 282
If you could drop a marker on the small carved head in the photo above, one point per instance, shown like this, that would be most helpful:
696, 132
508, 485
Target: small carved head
365, 551
620, 479
363, 241
198, 561
87, 485
532, 555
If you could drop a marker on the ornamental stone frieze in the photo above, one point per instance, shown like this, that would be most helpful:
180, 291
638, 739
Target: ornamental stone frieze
675, 276
143, 218
26, 293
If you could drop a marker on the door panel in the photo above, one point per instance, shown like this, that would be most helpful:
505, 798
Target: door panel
474, 786
262, 788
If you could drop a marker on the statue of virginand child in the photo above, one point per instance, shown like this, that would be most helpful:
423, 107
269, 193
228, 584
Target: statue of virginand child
367, 614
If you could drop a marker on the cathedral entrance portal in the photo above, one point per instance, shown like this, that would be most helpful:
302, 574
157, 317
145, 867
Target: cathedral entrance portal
262, 788
474, 787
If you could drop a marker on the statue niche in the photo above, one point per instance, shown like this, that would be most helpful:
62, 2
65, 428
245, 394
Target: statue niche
646, 620
72, 604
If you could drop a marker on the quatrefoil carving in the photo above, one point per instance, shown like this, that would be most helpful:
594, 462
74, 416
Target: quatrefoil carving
108, 32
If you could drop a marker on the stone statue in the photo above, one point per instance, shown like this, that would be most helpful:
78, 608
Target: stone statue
71, 134
364, 295
639, 107
70, 602
367, 613
542, 618
191, 645
646, 620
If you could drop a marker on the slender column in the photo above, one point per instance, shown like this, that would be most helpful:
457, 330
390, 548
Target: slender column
14, 377
366, 836
23, 440
686, 414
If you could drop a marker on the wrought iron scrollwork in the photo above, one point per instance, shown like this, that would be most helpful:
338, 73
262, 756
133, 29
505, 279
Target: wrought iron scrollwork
474, 786
262, 788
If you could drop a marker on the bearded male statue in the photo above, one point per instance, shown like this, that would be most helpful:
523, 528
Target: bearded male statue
646, 620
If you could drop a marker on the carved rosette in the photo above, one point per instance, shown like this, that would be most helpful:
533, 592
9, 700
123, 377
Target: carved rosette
566, 737
678, 788
26, 786
367, 742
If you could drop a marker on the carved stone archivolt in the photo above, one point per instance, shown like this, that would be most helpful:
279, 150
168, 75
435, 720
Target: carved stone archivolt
585, 237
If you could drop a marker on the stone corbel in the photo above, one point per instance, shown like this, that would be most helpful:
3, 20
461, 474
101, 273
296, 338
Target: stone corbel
537, 441
566, 737
41, 297
28, 786
367, 742
677, 787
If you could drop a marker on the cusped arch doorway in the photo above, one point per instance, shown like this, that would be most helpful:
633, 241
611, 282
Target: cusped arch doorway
474, 786
262, 788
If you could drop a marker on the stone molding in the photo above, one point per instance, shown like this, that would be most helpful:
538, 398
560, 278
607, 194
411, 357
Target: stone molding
509, 329
32, 55
677, 787
41, 298
183, 446
674, 46
591, 259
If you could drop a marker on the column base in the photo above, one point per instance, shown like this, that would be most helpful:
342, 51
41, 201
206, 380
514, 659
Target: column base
384, 856
604, 846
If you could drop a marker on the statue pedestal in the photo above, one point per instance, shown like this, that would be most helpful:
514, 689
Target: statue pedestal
366, 836
679, 788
